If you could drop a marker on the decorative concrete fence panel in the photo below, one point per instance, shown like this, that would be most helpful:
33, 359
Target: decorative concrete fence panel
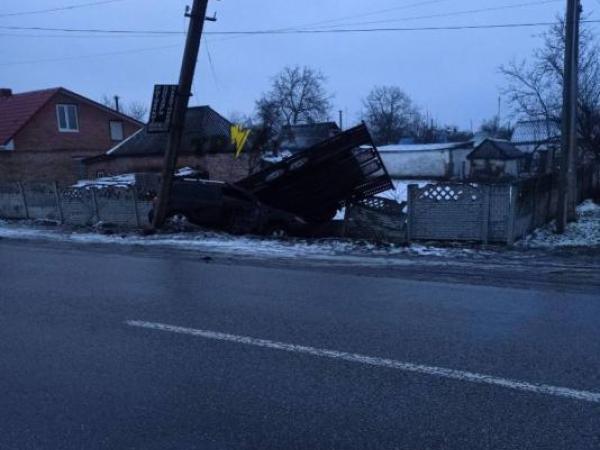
42, 201
119, 205
448, 211
12, 205
78, 206
116, 206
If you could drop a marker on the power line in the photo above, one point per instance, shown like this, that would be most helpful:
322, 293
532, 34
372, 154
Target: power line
372, 13
290, 32
298, 31
62, 8
451, 14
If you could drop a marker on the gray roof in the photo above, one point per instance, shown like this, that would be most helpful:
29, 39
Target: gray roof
300, 137
202, 124
495, 149
536, 131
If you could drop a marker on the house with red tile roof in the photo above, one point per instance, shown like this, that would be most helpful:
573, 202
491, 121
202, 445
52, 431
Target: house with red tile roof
44, 135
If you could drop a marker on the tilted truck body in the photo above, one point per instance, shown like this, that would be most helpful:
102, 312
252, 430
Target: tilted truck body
316, 182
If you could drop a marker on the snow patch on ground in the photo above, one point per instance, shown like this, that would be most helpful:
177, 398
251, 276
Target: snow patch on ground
585, 232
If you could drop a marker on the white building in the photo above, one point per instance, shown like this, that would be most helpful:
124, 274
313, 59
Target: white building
427, 161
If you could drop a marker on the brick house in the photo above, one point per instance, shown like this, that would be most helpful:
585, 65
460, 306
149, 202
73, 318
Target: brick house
206, 146
44, 135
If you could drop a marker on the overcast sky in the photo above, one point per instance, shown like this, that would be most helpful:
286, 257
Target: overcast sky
453, 75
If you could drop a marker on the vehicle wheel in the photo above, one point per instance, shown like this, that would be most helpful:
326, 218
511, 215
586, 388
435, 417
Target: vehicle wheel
178, 222
276, 231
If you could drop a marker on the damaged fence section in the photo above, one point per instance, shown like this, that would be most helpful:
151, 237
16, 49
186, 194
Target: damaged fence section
119, 205
377, 219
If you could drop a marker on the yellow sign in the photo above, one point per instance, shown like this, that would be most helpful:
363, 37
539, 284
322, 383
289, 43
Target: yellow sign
239, 136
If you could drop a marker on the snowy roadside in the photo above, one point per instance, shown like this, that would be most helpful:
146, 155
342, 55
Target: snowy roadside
583, 233
256, 247
539, 248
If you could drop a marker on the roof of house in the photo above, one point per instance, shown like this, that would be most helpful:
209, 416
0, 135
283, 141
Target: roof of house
16, 110
495, 149
424, 147
302, 136
200, 123
536, 131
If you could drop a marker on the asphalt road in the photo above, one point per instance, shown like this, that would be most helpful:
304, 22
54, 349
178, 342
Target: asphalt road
74, 374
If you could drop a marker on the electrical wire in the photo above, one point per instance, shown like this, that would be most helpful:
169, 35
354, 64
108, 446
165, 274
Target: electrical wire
299, 31
62, 8
451, 14
368, 14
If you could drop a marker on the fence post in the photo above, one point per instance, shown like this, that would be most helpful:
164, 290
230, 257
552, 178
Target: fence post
549, 215
486, 206
24, 198
135, 206
95, 205
534, 203
58, 203
512, 207
410, 211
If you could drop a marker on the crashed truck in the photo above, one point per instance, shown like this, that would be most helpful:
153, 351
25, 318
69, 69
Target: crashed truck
292, 196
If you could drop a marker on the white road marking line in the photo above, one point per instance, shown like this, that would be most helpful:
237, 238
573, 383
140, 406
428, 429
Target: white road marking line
459, 375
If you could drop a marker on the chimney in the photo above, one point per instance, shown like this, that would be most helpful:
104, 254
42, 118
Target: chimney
4, 92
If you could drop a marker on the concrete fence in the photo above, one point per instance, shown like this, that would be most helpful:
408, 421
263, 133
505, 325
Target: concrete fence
119, 205
486, 212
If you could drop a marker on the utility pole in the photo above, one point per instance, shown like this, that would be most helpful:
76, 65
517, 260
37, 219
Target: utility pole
341, 120
567, 182
117, 103
186, 76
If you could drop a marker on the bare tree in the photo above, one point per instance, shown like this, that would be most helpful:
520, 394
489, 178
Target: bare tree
108, 101
240, 118
297, 95
534, 89
495, 129
390, 114
137, 110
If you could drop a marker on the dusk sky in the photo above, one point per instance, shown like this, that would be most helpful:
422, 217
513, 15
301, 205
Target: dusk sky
452, 74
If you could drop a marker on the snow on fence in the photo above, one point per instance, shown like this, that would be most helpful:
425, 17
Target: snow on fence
488, 212
84, 206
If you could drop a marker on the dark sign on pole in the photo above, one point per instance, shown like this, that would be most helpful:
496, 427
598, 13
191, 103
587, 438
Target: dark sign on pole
163, 103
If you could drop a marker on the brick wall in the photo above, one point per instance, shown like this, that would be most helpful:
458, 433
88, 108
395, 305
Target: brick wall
42, 134
57, 165
220, 166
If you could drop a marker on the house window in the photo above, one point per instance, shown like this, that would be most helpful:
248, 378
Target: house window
116, 130
68, 121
